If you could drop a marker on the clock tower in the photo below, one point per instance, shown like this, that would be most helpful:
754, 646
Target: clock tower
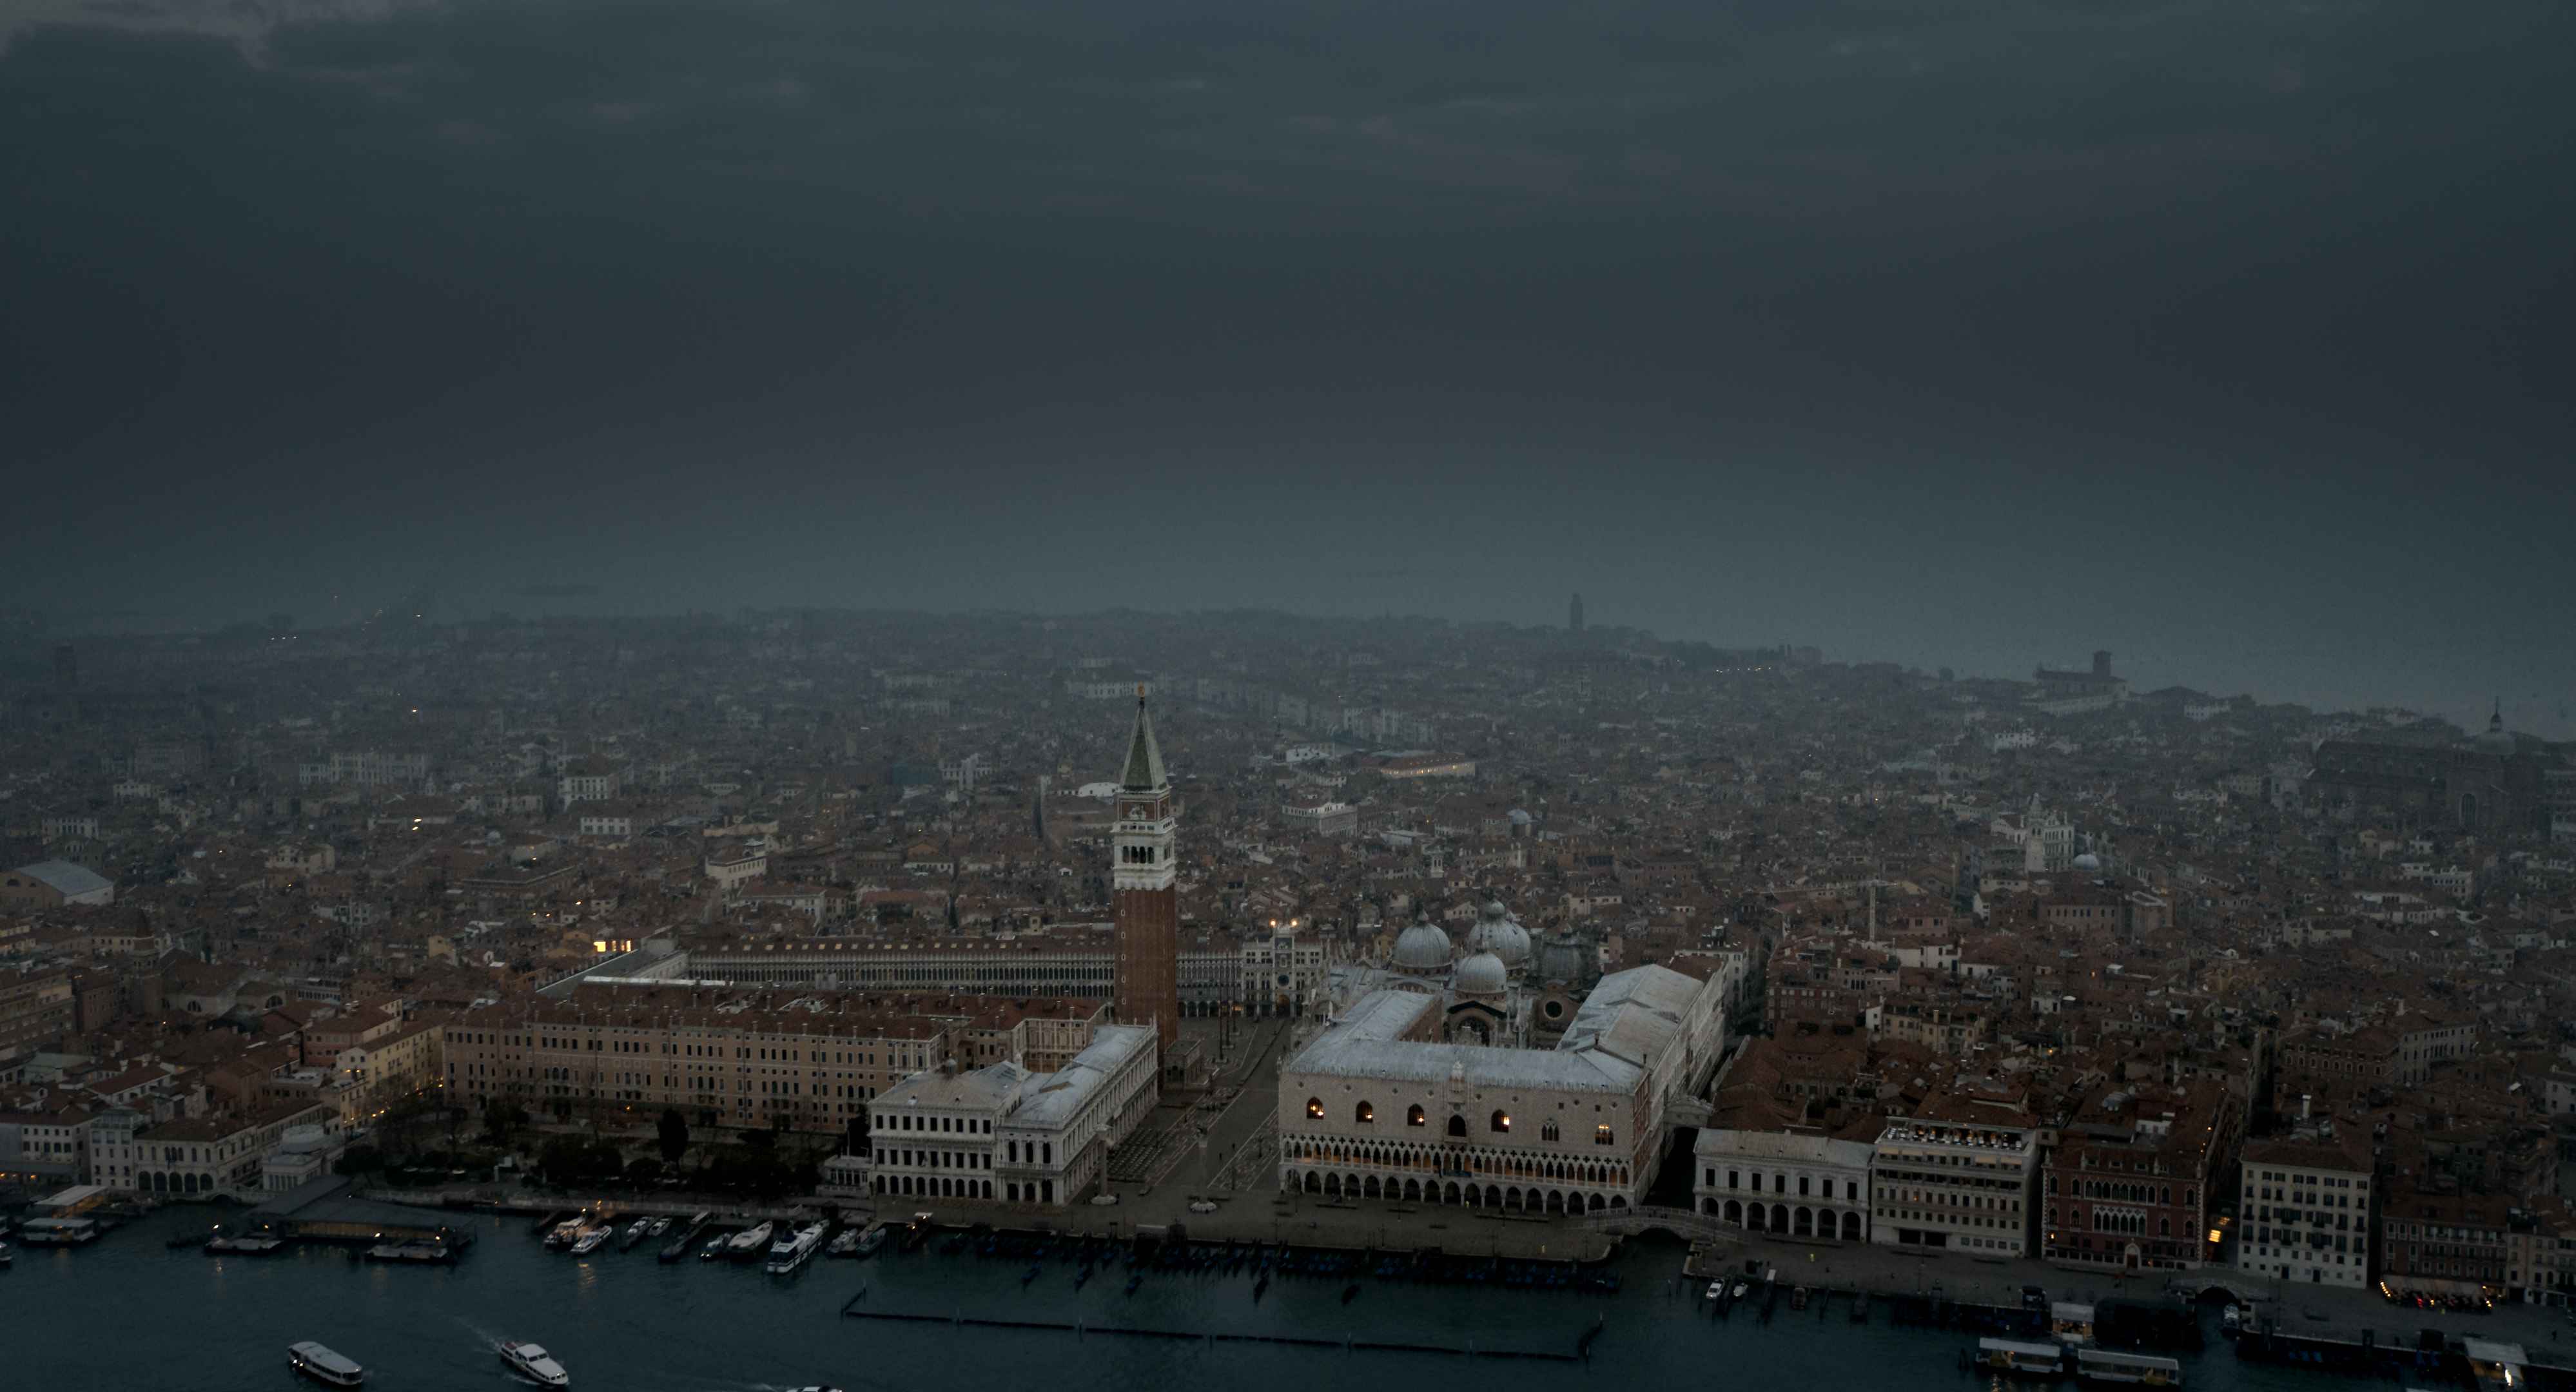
1147, 898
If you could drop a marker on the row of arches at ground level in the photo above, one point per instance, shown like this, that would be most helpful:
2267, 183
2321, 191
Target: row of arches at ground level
158, 1183
1507, 1197
1801, 1221
1483, 1164
945, 1187
934, 1187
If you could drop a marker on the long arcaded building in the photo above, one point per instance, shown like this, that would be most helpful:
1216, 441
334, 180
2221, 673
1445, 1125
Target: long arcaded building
746, 1059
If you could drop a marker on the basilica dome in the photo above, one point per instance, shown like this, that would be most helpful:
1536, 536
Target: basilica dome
1421, 948
1499, 933
1480, 975
1566, 959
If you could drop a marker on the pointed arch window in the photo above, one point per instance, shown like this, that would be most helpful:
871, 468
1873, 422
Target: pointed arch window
1364, 1113
1413, 1116
1458, 1127
1315, 1108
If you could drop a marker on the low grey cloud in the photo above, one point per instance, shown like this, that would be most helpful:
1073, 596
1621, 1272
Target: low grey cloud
462, 271
248, 25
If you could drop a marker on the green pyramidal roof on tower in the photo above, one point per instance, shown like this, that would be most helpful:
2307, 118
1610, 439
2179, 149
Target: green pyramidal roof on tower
1144, 771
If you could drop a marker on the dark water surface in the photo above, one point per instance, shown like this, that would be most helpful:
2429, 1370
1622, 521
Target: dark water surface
128, 1313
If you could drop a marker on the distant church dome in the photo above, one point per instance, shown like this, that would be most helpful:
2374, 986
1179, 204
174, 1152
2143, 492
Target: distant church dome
1422, 948
1480, 975
1499, 933
2496, 740
2088, 861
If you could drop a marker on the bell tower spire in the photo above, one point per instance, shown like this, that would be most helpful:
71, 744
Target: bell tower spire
1145, 878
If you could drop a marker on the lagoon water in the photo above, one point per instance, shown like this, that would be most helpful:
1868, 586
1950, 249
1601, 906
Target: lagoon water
127, 1313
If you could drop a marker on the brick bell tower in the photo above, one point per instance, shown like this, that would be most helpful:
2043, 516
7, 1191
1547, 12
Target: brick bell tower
1148, 900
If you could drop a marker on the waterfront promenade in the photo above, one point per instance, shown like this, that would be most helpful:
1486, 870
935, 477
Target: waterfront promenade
1249, 1209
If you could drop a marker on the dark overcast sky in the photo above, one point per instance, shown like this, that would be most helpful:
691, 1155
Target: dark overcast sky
2232, 336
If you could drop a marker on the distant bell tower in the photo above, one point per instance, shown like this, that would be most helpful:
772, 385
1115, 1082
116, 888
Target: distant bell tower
1574, 613
1147, 897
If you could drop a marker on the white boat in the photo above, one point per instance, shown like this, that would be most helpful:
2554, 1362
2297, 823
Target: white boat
2020, 1358
658, 1227
750, 1241
57, 1232
1716, 1290
565, 1232
797, 1248
635, 1232
322, 1365
590, 1241
535, 1364
845, 1245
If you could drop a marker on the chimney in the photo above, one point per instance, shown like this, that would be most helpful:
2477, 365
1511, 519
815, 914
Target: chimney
2101, 663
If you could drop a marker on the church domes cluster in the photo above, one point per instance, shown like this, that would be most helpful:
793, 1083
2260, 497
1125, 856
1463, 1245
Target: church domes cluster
1496, 954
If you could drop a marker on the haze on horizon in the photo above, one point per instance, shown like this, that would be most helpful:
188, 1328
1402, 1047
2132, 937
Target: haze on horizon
2234, 338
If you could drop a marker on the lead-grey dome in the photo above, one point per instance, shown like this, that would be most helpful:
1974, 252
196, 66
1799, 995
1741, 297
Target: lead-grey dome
1480, 975
1499, 933
1422, 947
1566, 959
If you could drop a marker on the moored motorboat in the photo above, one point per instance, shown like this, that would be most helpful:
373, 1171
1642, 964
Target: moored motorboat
634, 1233
532, 1362
591, 1241
845, 1245
244, 1246
797, 1248
751, 1242
2144, 1369
871, 1240
323, 1365
657, 1227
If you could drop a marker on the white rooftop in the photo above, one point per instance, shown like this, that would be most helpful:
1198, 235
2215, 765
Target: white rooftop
1616, 1035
